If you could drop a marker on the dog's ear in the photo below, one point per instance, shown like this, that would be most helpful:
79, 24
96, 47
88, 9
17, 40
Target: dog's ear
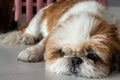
117, 60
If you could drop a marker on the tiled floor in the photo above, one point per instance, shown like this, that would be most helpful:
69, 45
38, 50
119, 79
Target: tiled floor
11, 69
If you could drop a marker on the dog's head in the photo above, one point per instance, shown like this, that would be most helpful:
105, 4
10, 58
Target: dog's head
81, 48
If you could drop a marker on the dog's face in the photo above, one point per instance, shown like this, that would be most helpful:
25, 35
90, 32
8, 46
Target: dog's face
88, 56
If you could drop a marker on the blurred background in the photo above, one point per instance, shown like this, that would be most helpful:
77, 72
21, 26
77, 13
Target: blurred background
15, 13
114, 8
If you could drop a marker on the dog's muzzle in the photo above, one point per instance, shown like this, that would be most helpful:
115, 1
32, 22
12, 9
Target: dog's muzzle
74, 64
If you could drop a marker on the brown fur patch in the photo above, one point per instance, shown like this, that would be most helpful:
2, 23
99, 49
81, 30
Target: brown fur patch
106, 32
22, 27
106, 40
54, 12
51, 53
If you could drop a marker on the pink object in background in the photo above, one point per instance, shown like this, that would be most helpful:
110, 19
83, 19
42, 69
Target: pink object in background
29, 10
49, 2
102, 1
40, 4
18, 9
29, 4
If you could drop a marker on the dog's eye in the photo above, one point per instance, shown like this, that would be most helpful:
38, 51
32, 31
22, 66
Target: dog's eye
93, 56
61, 53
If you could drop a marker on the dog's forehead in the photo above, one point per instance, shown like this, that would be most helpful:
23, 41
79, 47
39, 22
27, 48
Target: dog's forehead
74, 49
86, 48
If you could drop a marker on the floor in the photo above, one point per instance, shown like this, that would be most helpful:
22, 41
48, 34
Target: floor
11, 69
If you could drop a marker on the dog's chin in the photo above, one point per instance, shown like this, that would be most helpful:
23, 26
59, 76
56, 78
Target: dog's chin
61, 66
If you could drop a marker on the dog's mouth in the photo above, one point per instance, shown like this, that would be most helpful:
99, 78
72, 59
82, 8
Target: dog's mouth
74, 70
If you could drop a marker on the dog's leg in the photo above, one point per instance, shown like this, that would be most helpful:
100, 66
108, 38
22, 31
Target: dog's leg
33, 53
32, 32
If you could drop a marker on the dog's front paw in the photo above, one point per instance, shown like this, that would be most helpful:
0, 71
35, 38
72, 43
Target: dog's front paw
30, 55
27, 39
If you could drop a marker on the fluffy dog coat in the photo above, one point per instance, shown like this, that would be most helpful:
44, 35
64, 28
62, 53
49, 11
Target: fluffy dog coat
78, 38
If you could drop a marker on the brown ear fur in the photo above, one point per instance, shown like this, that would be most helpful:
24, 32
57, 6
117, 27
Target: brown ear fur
109, 35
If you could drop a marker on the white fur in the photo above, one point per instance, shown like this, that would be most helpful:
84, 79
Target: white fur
10, 38
86, 6
88, 69
35, 26
89, 7
63, 67
43, 29
78, 28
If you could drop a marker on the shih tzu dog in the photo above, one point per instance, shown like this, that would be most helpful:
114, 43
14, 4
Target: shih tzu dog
77, 37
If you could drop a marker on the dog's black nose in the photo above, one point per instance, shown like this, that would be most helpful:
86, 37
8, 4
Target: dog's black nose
76, 61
